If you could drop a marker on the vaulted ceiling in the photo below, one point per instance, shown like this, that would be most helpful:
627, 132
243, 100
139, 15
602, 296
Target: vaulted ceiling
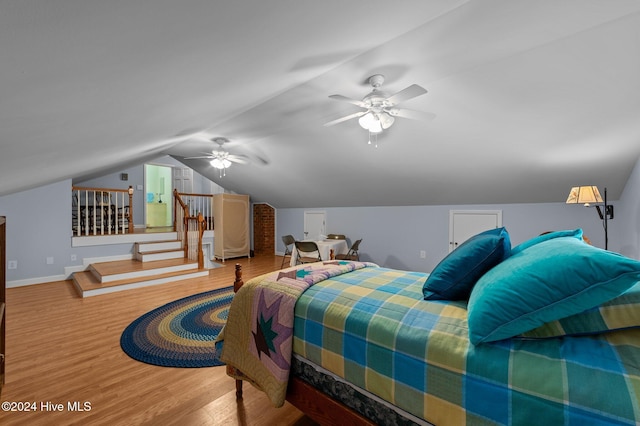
530, 97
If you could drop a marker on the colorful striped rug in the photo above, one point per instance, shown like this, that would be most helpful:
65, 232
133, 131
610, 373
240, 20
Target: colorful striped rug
181, 333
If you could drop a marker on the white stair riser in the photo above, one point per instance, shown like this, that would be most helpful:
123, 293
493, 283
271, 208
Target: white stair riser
165, 245
145, 273
149, 257
139, 284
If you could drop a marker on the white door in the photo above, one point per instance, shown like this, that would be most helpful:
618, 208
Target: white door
183, 179
464, 224
314, 225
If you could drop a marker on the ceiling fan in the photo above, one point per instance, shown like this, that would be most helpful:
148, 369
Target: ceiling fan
221, 159
380, 108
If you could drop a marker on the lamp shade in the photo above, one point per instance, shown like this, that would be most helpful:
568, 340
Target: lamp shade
376, 126
386, 120
366, 121
584, 195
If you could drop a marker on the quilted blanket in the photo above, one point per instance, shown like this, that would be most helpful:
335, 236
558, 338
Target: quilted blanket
372, 328
258, 337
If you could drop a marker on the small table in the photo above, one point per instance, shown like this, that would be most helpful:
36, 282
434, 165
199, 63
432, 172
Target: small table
325, 247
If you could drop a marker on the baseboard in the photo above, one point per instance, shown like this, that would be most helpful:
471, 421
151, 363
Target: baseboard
89, 260
33, 281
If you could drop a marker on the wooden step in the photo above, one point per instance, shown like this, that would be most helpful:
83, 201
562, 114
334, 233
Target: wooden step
158, 250
151, 246
88, 285
151, 256
106, 272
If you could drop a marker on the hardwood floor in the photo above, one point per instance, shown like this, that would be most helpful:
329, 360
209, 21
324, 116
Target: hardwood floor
62, 349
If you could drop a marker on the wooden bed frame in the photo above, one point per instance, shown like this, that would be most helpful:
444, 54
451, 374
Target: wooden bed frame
313, 403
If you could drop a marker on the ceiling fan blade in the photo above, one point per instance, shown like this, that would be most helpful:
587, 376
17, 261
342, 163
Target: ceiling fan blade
240, 159
413, 115
204, 156
345, 118
352, 101
406, 94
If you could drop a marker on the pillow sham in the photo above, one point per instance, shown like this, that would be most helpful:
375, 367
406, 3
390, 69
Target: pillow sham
454, 277
617, 314
546, 282
577, 233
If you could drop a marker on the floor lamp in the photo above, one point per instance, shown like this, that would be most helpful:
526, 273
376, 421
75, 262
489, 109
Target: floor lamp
589, 195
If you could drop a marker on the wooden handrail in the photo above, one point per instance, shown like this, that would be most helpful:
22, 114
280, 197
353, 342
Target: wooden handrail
89, 188
183, 194
184, 224
198, 203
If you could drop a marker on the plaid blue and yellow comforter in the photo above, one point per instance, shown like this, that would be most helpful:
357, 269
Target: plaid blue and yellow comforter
373, 328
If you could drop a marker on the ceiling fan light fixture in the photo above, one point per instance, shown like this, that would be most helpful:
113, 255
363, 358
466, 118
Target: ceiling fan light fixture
376, 126
380, 109
386, 120
376, 122
366, 120
220, 163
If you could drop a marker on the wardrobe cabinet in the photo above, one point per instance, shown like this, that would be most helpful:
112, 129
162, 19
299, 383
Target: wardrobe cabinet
231, 226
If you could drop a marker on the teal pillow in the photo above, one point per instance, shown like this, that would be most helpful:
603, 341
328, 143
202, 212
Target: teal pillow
619, 313
454, 277
546, 282
576, 233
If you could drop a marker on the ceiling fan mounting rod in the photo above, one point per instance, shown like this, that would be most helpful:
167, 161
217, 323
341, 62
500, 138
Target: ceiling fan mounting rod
376, 80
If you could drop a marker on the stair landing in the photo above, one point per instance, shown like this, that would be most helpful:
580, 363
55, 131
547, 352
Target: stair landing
109, 277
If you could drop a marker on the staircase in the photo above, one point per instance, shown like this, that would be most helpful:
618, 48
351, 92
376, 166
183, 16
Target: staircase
156, 262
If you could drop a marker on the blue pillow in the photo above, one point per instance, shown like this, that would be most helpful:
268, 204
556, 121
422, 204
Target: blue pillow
576, 233
547, 281
454, 277
619, 313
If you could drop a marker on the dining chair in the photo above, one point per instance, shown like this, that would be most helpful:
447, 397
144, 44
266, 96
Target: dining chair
307, 252
102, 214
122, 223
77, 216
352, 254
288, 241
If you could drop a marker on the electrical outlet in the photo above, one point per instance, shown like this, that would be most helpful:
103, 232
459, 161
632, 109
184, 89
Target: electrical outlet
74, 257
423, 254
49, 260
12, 264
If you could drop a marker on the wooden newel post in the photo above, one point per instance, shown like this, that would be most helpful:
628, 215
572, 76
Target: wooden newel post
238, 281
130, 213
236, 286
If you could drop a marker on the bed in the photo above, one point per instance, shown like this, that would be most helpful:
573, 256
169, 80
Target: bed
542, 333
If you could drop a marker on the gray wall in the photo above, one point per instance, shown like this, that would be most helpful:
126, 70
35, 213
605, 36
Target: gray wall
394, 236
39, 226
201, 185
624, 230
136, 177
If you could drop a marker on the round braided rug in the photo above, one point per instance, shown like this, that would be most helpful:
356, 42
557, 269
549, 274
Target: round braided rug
181, 333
